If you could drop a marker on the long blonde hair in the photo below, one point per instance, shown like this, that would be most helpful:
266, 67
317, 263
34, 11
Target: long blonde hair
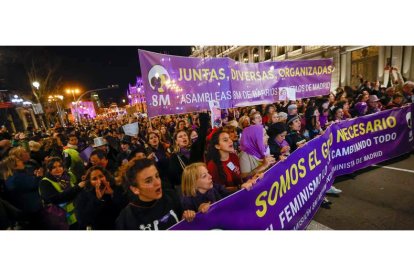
189, 178
8, 166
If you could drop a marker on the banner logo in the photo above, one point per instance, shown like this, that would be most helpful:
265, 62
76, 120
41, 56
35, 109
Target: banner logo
158, 77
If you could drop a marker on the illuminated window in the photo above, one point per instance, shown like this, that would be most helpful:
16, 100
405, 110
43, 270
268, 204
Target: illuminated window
245, 58
255, 55
267, 52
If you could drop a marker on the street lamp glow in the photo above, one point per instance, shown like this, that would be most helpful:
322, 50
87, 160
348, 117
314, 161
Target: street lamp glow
36, 84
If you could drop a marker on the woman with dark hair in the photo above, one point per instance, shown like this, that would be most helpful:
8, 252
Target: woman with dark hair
186, 152
181, 125
158, 151
150, 206
223, 164
165, 135
278, 145
99, 204
337, 114
344, 104
295, 138
313, 125
58, 189
331, 99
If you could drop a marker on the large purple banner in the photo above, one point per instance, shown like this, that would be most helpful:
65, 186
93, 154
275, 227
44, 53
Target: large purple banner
175, 84
291, 192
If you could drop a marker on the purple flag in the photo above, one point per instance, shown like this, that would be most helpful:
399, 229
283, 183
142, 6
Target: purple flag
291, 191
175, 84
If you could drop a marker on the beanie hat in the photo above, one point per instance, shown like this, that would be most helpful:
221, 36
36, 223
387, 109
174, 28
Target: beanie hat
291, 118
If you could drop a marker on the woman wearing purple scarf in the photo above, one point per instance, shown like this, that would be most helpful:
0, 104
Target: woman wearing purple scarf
186, 152
253, 145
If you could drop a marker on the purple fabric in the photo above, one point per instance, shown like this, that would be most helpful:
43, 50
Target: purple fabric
361, 108
291, 192
186, 152
323, 120
175, 84
251, 141
283, 144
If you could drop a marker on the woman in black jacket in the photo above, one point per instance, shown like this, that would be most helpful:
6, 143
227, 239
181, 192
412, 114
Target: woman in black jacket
186, 153
99, 204
157, 151
22, 191
58, 189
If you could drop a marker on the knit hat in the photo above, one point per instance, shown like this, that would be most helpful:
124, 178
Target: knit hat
291, 118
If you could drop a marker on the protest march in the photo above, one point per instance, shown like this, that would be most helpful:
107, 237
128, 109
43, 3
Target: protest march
222, 145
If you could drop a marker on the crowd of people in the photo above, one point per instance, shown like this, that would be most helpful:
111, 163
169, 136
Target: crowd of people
92, 176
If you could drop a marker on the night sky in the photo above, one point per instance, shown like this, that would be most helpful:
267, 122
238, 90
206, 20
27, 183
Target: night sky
91, 67
83, 67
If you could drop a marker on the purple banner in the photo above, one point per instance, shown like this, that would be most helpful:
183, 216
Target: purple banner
175, 84
291, 192
368, 140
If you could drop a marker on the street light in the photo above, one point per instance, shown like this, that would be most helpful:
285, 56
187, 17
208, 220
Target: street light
73, 92
38, 107
36, 84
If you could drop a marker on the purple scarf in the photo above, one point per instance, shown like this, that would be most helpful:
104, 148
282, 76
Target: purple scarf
323, 120
251, 141
186, 152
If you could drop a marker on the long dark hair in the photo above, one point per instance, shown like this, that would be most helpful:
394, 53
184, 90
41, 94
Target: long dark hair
214, 154
107, 174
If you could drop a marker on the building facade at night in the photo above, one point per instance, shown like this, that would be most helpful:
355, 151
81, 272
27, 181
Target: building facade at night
349, 61
136, 96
